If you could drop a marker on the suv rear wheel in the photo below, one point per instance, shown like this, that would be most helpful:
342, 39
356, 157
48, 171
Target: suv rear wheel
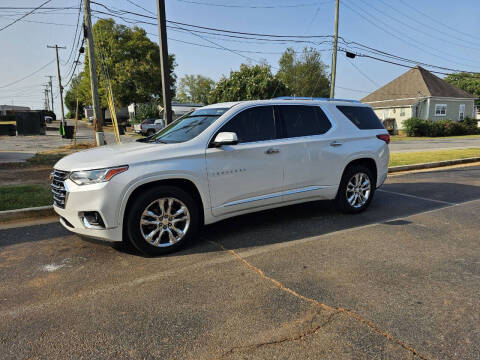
162, 220
356, 189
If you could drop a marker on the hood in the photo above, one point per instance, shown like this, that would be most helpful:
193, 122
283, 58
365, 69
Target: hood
116, 155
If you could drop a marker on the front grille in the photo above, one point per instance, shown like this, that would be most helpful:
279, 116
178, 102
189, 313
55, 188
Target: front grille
58, 187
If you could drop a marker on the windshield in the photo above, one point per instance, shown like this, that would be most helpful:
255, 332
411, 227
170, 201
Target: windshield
188, 127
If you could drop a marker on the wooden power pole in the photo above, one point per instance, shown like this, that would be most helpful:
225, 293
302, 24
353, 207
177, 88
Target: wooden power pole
334, 53
56, 47
97, 114
162, 33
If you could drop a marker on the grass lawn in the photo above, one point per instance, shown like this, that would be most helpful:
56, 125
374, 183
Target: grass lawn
426, 156
24, 196
407, 138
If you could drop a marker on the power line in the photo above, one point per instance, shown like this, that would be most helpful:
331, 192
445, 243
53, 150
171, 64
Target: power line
280, 38
364, 75
20, 18
76, 31
412, 41
419, 30
416, 9
252, 6
436, 29
40, 22
140, 7
26, 77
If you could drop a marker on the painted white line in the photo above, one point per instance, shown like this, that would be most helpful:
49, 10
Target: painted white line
417, 197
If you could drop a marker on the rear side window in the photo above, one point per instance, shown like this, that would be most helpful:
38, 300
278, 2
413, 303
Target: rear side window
299, 120
255, 124
363, 117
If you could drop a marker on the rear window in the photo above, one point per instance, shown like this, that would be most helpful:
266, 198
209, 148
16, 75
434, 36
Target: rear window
363, 117
301, 120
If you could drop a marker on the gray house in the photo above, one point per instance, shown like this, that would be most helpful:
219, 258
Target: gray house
419, 93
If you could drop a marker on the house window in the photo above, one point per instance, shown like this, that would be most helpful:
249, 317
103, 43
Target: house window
402, 112
440, 110
461, 112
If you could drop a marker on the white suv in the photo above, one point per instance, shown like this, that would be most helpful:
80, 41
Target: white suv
223, 160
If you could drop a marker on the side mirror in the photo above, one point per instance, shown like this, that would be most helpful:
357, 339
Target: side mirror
225, 138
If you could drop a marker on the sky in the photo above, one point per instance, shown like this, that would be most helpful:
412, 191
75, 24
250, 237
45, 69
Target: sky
438, 32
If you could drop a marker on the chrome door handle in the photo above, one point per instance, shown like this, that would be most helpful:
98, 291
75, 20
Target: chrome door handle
336, 143
272, 151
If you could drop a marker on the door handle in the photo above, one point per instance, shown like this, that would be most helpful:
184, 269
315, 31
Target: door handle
336, 143
272, 151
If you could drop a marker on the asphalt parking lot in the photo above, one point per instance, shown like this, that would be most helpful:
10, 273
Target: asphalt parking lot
399, 281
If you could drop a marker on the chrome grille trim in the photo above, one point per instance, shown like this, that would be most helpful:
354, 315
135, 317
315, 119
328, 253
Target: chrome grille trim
58, 187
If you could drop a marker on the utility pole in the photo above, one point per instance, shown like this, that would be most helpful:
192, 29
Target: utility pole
97, 115
162, 34
56, 47
334, 53
51, 90
47, 102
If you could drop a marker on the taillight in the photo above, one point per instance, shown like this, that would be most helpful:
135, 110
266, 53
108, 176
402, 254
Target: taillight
384, 137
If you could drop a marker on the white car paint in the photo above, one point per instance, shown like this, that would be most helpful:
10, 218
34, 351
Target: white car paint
231, 180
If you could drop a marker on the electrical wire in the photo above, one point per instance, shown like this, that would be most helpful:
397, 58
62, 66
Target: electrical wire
252, 6
24, 16
28, 76
76, 31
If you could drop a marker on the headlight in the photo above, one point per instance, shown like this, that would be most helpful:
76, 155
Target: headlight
87, 177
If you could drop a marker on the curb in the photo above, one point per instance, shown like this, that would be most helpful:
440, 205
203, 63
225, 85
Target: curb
430, 165
26, 213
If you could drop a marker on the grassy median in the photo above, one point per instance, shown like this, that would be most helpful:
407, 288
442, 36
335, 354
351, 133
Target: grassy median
427, 156
407, 138
24, 196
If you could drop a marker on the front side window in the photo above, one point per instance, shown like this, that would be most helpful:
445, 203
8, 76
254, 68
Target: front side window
301, 120
440, 110
255, 124
362, 116
188, 127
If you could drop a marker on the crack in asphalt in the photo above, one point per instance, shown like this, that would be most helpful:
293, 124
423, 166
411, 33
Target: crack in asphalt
280, 341
336, 310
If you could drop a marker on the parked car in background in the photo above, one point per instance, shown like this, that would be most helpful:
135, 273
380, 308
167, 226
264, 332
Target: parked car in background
220, 161
148, 127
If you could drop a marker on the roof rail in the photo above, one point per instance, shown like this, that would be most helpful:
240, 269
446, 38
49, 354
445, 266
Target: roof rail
311, 98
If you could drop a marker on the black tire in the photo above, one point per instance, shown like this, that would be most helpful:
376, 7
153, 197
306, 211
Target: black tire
342, 202
150, 132
146, 199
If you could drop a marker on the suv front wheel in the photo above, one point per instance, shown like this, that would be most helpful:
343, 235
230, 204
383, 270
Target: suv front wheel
356, 189
162, 220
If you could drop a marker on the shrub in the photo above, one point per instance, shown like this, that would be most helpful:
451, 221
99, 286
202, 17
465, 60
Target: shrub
420, 127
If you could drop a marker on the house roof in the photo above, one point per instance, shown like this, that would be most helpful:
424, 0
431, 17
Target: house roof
412, 85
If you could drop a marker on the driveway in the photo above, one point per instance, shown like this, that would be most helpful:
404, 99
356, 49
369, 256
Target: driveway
14, 146
399, 281
433, 144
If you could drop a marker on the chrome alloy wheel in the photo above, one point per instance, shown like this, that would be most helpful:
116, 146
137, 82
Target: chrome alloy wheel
358, 190
164, 222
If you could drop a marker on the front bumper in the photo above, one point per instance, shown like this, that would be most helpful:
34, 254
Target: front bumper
72, 222
100, 198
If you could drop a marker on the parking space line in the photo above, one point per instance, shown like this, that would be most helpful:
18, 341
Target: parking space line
417, 197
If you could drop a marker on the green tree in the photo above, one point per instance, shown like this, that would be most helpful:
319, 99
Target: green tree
129, 59
305, 75
195, 88
466, 81
248, 83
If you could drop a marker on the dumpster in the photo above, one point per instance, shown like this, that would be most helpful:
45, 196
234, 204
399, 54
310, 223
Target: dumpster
30, 122
69, 130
